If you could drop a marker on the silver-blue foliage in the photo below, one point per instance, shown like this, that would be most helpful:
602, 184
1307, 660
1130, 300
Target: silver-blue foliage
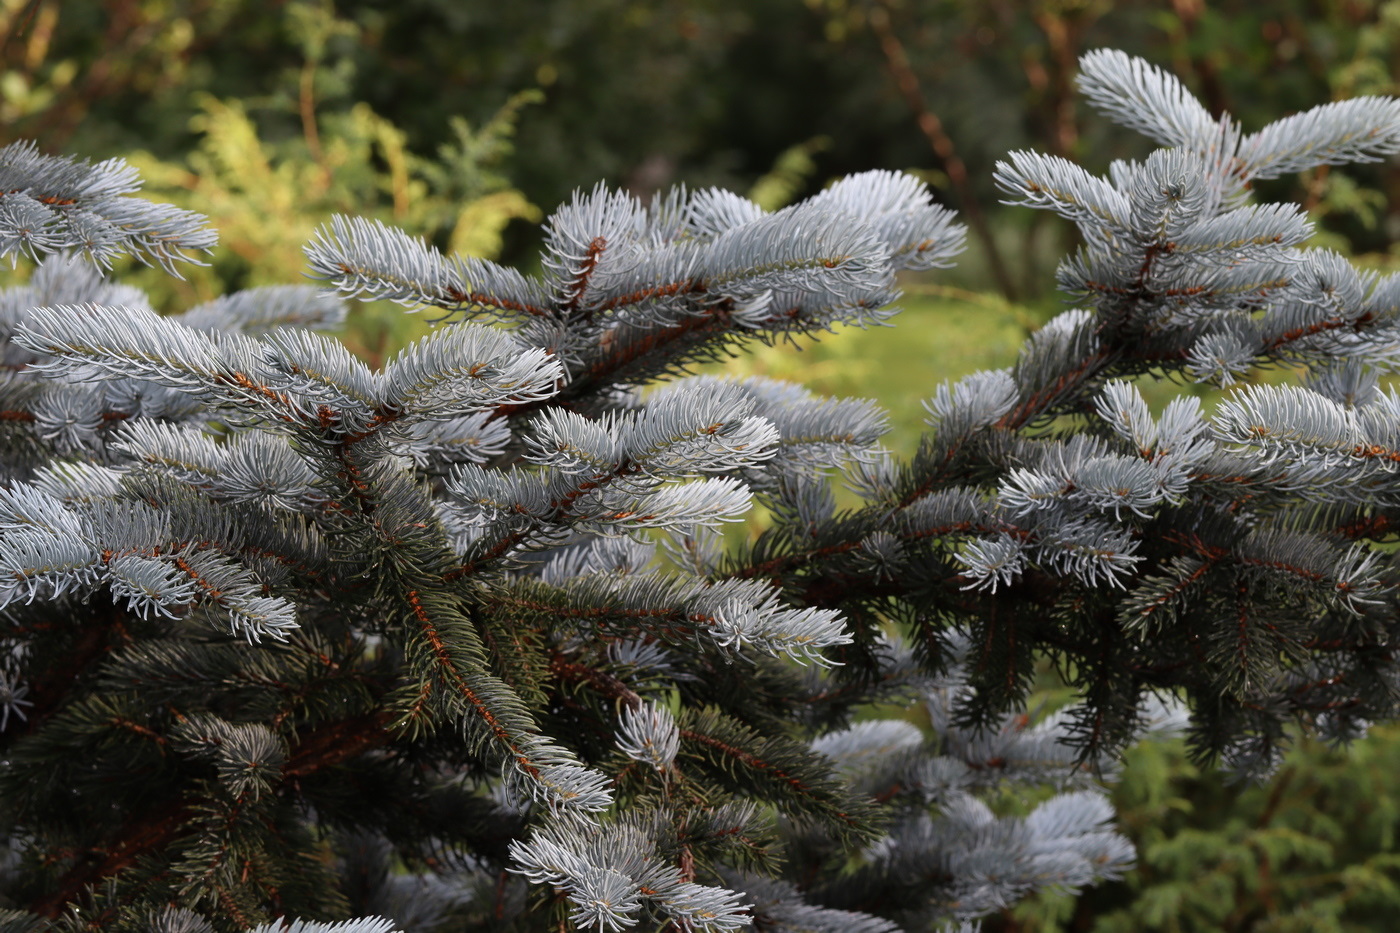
465, 622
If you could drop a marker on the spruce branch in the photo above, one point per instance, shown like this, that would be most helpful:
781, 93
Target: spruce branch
262, 309
92, 343
1145, 98
781, 772
153, 830
467, 368
452, 658
52, 203
1344, 131
503, 646
366, 259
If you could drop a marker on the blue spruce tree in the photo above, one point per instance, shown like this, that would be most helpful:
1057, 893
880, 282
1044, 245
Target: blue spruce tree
453, 645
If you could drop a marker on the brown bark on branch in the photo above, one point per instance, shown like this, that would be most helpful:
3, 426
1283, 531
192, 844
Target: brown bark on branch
897, 60
331, 745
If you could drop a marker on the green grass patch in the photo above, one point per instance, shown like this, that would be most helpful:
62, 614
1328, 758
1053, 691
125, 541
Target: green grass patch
935, 338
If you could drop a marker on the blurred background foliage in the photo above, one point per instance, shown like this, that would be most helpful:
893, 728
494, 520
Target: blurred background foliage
465, 121
647, 93
1314, 850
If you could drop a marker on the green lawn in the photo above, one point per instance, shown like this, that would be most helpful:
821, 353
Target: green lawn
942, 334
934, 338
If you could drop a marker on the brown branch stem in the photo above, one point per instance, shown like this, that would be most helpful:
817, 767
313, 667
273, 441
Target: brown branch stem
146, 832
897, 61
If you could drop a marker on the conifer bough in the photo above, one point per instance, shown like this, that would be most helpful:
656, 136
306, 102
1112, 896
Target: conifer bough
452, 645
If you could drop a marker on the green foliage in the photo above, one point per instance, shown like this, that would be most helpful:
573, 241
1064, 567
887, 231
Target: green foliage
1312, 849
790, 174
941, 333
281, 138
724, 89
267, 199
